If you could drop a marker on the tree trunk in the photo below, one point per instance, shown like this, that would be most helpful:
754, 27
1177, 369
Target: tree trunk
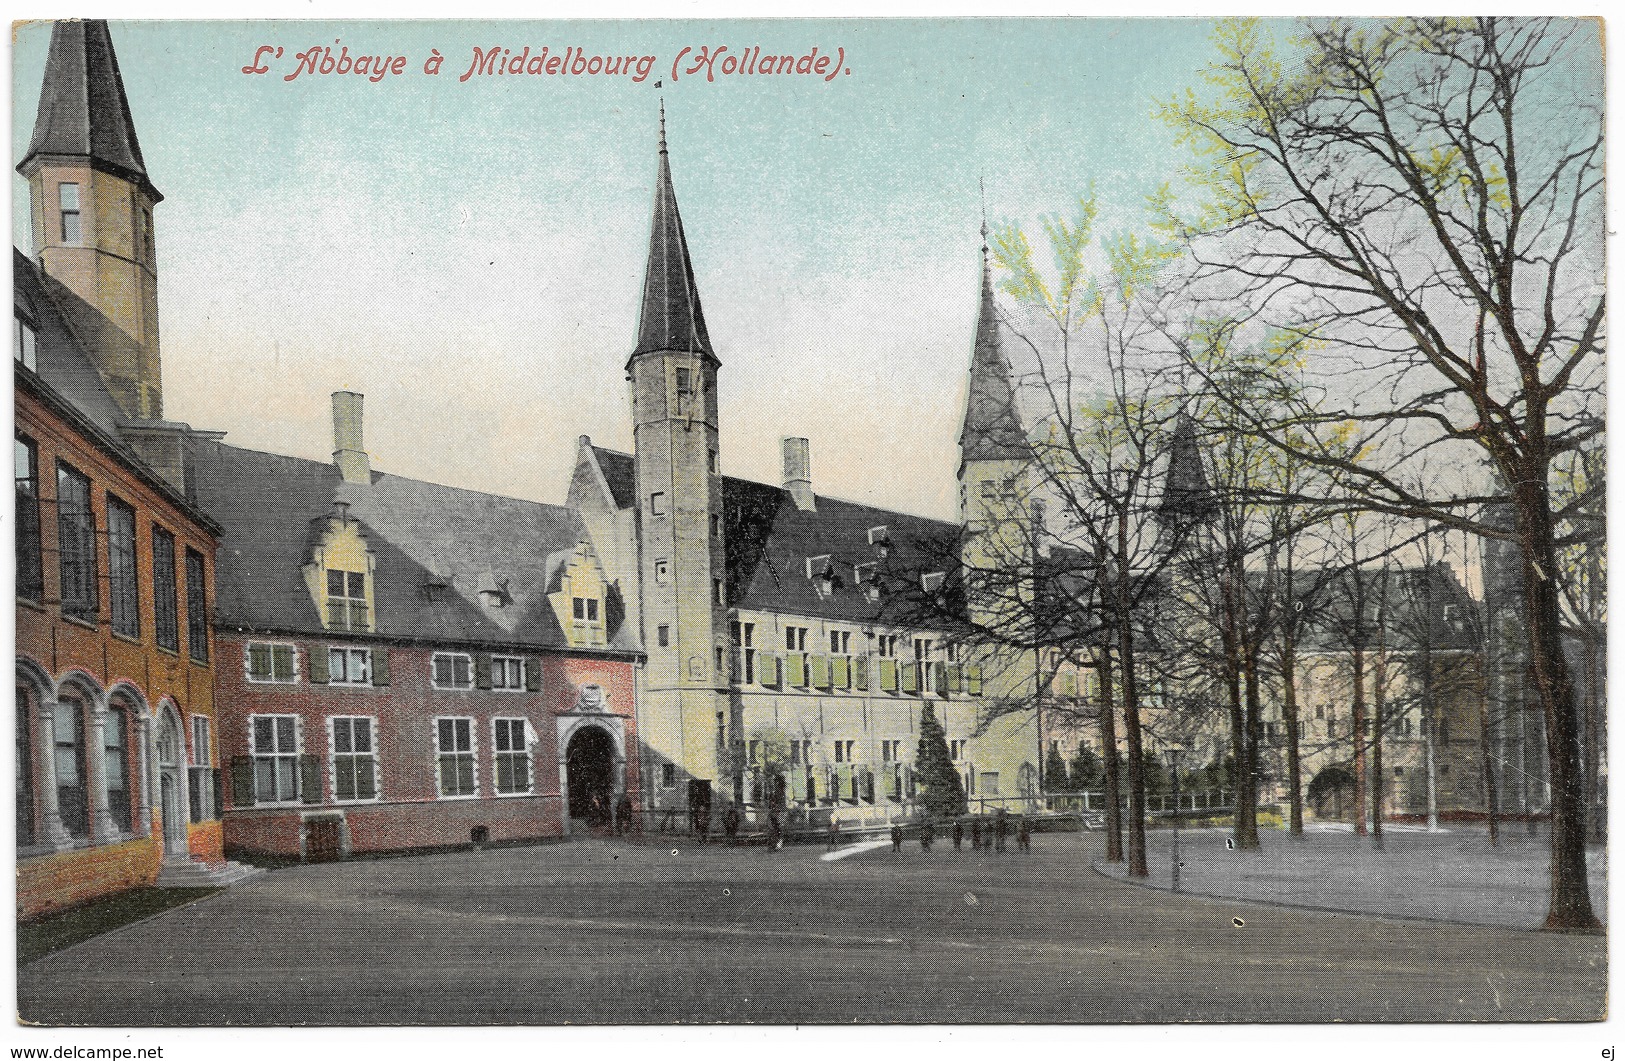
1131, 707
1289, 716
1246, 830
1379, 704
1358, 735
1570, 909
1492, 795
1593, 739
1108, 744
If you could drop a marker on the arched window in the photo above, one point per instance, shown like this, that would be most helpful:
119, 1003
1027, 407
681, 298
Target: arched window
25, 769
69, 734
116, 748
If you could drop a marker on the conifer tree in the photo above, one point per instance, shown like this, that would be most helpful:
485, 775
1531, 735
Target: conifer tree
944, 793
1087, 769
1055, 771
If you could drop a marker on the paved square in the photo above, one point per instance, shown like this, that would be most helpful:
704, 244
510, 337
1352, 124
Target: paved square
604, 932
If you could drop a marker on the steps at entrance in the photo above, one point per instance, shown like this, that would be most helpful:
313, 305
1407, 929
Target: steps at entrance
186, 873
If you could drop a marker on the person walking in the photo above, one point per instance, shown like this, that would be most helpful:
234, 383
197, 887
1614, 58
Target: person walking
959, 833
834, 836
623, 816
1001, 829
976, 833
896, 838
730, 823
927, 834
775, 832
1024, 836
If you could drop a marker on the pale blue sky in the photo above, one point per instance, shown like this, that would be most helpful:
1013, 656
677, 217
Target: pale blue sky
470, 254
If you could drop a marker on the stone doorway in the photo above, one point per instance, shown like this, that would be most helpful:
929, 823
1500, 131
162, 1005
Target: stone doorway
589, 765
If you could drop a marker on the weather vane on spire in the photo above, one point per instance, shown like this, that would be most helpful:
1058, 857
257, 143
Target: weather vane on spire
662, 124
982, 186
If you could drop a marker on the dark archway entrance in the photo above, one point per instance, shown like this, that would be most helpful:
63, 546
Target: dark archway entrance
589, 763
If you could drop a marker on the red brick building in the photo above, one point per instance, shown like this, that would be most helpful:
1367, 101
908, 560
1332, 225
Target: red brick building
116, 734
404, 665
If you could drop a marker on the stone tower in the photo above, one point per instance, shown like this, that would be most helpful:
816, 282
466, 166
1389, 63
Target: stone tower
91, 203
995, 465
673, 372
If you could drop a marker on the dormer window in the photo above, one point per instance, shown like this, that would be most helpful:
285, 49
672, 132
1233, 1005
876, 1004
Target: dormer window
880, 538
346, 600
931, 582
585, 609
24, 343
491, 598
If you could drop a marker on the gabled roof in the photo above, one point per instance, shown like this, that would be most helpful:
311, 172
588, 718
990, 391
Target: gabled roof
67, 381
61, 319
274, 507
992, 426
82, 108
1390, 606
671, 318
769, 541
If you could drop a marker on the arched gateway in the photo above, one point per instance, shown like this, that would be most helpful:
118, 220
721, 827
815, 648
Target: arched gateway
589, 765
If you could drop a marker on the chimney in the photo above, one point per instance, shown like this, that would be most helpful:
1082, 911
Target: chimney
798, 472
348, 453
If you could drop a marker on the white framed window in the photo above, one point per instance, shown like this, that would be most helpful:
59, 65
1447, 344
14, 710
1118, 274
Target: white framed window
956, 749
274, 745
511, 740
886, 645
891, 751
346, 600
268, 662
508, 674
349, 666
202, 753
584, 609
355, 758
452, 670
454, 758
68, 199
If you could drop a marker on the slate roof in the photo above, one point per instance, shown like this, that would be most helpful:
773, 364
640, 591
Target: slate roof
671, 318
274, 507
769, 541
66, 379
992, 425
1186, 493
1340, 602
83, 110
61, 319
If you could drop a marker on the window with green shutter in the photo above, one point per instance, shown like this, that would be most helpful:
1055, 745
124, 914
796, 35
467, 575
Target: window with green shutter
482, 670
888, 675
841, 676
973, 679
860, 672
956, 678
380, 666
771, 672
270, 662
911, 677
242, 780
820, 671
310, 778
533, 674
939, 673
1069, 683
796, 663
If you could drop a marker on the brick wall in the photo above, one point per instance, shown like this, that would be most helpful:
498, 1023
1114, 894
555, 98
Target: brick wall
57, 882
409, 812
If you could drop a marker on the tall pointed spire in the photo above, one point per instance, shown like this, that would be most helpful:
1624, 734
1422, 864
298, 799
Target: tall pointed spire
83, 112
671, 318
992, 429
1186, 495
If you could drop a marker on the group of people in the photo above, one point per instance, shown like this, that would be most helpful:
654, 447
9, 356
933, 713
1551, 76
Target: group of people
997, 833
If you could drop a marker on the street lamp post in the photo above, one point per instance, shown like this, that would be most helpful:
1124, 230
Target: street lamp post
1172, 755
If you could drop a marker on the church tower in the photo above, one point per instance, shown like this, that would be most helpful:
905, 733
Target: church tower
91, 203
673, 372
995, 464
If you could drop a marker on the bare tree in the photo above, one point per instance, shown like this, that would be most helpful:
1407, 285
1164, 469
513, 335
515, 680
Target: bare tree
1423, 200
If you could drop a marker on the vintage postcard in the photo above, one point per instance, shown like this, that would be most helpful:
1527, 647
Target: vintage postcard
986, 521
